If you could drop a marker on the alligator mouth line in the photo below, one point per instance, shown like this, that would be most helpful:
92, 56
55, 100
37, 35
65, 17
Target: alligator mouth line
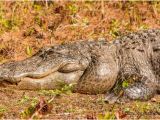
51, 81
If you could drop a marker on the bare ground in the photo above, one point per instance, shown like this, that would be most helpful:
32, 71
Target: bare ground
13, 104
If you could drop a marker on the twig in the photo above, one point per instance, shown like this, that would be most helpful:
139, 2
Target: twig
46, 1
102, 9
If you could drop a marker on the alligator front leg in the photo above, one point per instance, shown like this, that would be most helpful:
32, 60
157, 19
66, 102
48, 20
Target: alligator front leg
143, 85
147, 87
100, 76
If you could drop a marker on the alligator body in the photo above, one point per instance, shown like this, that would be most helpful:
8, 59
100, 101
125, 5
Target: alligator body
95, 66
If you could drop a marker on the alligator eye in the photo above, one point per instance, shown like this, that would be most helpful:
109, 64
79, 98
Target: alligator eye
70, 67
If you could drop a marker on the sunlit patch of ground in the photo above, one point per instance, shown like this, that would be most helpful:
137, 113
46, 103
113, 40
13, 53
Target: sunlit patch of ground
13, 103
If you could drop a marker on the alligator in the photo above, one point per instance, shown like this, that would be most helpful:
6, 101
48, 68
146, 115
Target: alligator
95, 67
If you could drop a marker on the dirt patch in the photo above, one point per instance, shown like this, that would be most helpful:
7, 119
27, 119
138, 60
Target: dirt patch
75, 106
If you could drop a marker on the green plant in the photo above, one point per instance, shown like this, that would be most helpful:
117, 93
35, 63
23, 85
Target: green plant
67, 88
143, 27
85, 21
29, 50
27, 113
3, 109
26, 99
50, 92
11, 22
106, 116
73, 9
125, 84
38, 20
143, 107
64, 89
114, 28
37, 7
127, 110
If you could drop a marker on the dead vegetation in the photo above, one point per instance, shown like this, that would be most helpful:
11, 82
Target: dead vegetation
26, 26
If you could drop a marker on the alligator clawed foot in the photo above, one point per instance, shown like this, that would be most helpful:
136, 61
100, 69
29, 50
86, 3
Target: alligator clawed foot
138, 91
111, 98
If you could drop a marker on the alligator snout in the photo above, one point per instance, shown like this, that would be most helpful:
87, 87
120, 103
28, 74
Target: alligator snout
40, 72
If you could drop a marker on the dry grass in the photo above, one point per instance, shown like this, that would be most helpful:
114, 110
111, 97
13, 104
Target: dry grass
32, 25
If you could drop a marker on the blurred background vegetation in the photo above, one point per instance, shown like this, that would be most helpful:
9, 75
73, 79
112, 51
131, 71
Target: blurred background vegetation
26, 26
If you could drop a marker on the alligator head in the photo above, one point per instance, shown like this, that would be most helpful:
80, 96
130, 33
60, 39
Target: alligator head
61, 63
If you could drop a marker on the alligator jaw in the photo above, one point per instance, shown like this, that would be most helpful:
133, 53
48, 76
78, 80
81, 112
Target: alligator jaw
13, 72
52, 81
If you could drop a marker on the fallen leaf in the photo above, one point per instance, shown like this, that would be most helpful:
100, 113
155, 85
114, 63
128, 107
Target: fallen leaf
42, 108
120, 114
